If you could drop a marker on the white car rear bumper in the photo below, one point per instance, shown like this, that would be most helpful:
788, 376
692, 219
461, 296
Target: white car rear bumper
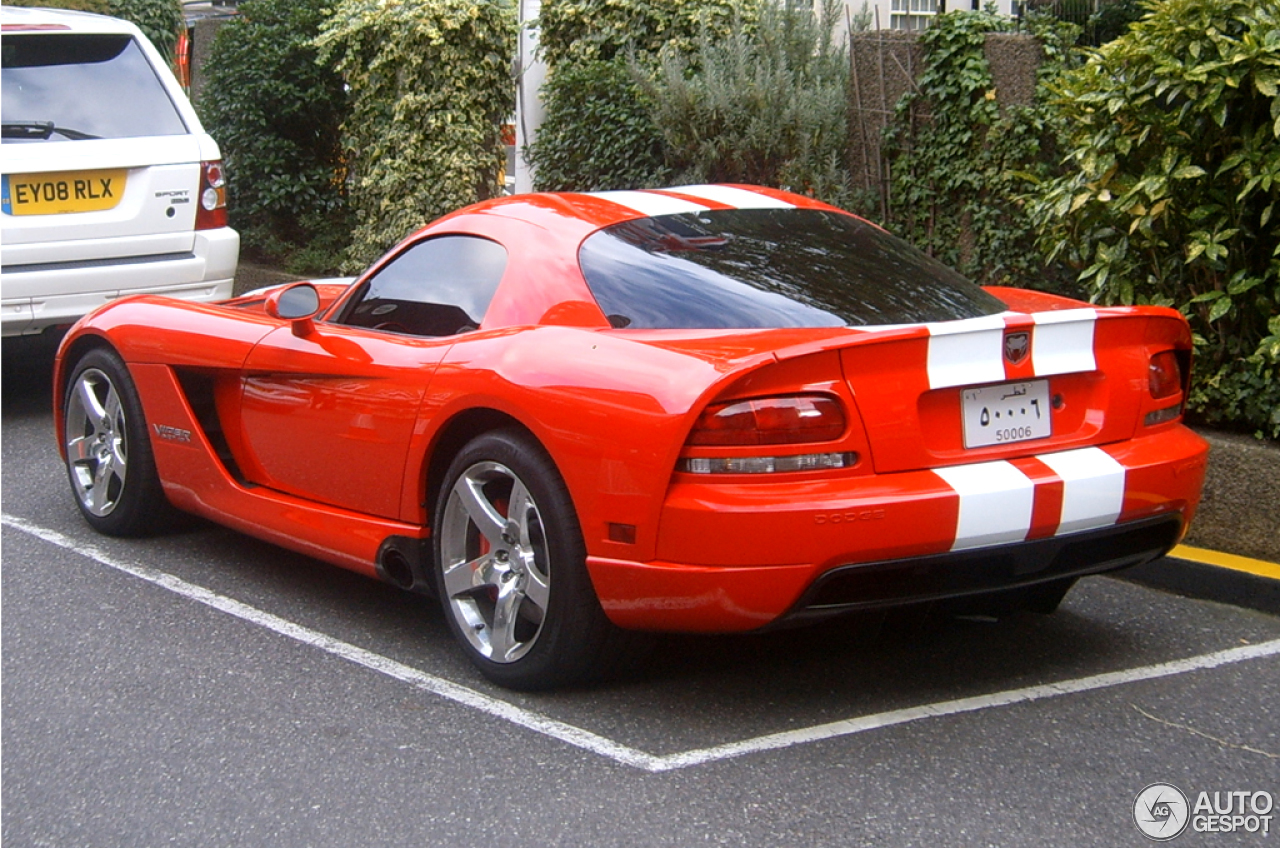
36, 297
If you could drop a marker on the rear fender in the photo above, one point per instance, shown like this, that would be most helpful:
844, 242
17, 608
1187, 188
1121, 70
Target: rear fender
611, 413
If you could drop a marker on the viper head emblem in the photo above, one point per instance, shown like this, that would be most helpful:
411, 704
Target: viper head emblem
1016, 347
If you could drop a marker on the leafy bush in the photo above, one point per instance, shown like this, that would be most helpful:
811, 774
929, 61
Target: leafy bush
597, 133
591, 95
604, 30
430, 87
160, 20
1172, 192
766, 104
276, 114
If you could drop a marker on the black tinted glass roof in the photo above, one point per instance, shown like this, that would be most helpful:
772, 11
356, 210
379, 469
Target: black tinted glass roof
766, 268
73, 86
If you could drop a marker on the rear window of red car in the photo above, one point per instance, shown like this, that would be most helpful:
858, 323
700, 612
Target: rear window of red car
767, 268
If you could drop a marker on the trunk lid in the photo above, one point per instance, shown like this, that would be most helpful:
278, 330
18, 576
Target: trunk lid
1020, 384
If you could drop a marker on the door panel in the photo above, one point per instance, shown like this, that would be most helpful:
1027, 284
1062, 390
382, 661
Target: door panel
329, 416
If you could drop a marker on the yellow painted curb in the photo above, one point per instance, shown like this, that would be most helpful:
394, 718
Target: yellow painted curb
1236, 563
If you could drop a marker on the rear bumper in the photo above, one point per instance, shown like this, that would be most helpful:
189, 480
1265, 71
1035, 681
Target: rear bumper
741, 557
984, 570
60, 293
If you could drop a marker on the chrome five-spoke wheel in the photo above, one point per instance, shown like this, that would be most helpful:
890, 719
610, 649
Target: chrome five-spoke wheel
97, 449
494, 562
511, 568
109, 460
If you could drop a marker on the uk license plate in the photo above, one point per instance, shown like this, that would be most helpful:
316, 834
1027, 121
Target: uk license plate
1008, 412
59, 193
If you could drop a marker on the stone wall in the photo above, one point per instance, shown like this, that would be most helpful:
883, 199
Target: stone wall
1240, 510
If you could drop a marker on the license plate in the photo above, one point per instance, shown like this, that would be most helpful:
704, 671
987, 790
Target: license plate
60, 193
1009, 412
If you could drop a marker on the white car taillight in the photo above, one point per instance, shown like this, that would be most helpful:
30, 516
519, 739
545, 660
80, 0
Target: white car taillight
211, 212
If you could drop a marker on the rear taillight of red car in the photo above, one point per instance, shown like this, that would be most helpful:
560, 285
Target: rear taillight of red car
770, 421
211, 208
1168, 373
777, 422
1164, 375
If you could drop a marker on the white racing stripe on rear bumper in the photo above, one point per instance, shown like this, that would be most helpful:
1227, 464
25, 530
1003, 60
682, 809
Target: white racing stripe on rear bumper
1093, 488
996, 498
995, 503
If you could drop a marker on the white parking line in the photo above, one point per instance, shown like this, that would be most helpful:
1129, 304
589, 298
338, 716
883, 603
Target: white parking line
601, 745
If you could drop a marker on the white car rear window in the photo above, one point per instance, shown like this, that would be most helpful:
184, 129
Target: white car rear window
72, 86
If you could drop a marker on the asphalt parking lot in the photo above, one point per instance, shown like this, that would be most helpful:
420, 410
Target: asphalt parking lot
203, 688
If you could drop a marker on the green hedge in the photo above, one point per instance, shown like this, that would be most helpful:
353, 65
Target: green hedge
1171, 197
598, 131
599, 101
276, 114
767, 103
161, 20
575, 31
99, 7
430, 87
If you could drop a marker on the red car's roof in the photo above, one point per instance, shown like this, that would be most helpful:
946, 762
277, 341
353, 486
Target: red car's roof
594, 210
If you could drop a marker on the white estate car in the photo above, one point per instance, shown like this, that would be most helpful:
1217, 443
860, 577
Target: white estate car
110, 184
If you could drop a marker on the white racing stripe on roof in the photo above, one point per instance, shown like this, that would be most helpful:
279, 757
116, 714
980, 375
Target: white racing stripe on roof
995, 503
1093, 488
649, 203
739, 198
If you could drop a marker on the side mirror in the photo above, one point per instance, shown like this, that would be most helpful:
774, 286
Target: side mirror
298, 303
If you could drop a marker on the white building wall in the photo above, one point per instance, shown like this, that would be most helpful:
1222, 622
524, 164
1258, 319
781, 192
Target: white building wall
912, 14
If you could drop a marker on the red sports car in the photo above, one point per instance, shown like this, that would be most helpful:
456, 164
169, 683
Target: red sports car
706, 408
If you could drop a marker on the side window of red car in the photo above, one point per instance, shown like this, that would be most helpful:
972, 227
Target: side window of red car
436, 287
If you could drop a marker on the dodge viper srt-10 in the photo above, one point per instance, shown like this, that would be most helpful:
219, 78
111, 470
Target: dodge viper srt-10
706, 408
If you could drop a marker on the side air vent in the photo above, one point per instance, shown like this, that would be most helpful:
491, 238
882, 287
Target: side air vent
198, 388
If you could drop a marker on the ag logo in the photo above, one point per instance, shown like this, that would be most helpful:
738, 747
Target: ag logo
1160, 812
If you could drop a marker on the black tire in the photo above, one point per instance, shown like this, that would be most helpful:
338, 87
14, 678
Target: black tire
109, 462
516, 592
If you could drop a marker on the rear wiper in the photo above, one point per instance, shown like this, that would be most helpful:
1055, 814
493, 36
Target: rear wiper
42, 130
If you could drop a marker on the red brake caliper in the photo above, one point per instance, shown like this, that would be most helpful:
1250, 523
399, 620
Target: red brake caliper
501, 505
